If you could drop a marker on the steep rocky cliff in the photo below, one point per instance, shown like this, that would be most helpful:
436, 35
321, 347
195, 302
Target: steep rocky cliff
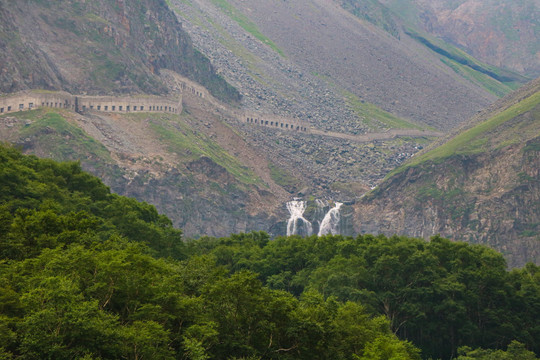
98, 46
481, 186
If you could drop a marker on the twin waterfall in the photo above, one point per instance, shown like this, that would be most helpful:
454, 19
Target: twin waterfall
330, 223
299, 225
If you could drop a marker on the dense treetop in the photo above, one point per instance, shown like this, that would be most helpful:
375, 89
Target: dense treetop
88, 274
440, 295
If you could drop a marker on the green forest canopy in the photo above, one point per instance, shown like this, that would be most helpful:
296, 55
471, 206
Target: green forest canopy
89, 274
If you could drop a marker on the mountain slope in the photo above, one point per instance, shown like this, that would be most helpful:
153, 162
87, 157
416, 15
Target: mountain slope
482, 185
98, 47
314, 60
87, 274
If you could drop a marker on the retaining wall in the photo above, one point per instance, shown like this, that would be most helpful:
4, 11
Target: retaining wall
193, 89
32, 100
35, 99
275, 122
127, 104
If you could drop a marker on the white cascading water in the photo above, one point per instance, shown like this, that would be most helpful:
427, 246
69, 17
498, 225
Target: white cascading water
330, 223
297, 224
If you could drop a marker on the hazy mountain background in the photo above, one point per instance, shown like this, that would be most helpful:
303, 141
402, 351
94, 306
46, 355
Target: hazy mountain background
500, 33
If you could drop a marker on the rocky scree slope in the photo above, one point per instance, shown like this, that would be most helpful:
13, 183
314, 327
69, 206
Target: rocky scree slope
277, 54
102, 46
494, 79
481, 186
314, 60
198, 169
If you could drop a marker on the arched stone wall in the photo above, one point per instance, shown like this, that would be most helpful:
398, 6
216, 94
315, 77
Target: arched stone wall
275, 122
127, 104
35, 99
32, 100
193, 89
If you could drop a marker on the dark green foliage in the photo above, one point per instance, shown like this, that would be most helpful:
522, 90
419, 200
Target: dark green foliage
45, 204
440, 295
516, 351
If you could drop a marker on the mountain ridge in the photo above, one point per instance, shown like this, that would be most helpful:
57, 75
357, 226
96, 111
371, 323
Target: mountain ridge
501, 33
481, 185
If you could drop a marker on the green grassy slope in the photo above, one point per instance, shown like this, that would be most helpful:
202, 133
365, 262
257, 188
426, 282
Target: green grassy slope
492, 133
246, 24
480, 185
375, 117
50, 132
374, 12
191, 145
495, 80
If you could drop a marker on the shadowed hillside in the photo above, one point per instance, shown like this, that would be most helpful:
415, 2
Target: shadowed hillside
98, 47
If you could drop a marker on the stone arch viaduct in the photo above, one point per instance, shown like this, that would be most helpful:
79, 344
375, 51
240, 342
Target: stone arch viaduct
81, 103
280, 123
193, 89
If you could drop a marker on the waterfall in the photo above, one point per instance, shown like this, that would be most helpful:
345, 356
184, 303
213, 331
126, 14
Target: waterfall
319, 213
330, 223
297, 224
